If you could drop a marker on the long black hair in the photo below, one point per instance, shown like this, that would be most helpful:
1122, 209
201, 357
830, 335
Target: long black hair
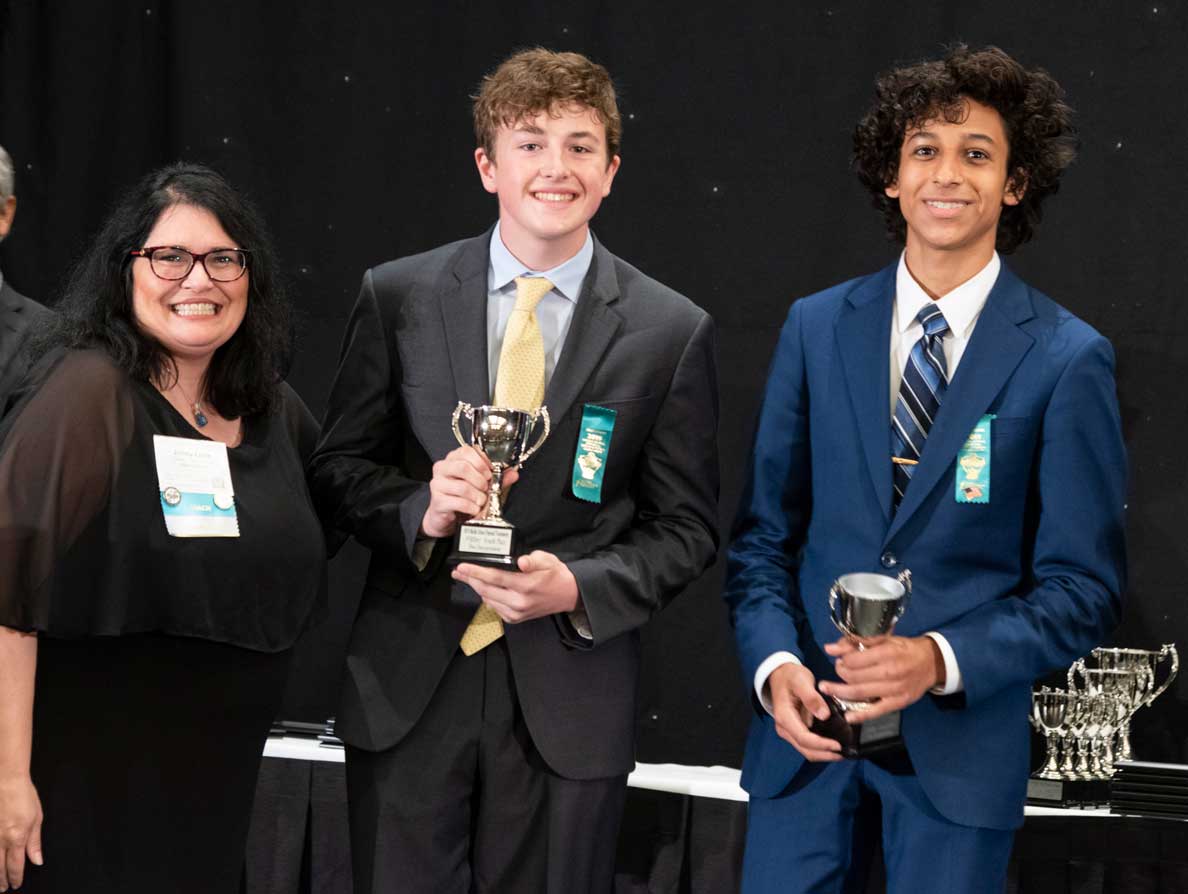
97, 309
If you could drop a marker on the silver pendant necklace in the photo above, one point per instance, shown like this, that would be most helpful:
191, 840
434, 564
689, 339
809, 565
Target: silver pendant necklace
195, 407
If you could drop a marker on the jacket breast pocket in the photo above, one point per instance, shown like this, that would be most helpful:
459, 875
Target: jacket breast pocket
633, 419
1010, 433
623, 406
1013, 443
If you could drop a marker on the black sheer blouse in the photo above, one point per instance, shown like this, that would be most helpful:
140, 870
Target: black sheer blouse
83, 545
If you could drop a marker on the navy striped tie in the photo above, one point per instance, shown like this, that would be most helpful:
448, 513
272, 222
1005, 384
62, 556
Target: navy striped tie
925, 378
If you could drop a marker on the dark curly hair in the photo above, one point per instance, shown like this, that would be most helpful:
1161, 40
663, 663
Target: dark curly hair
96, 308
1038, 126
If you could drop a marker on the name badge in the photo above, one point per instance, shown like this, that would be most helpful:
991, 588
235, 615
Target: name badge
973, 464
589, 460
194, 478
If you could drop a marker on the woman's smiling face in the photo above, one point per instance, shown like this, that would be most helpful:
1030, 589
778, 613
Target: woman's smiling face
194, 316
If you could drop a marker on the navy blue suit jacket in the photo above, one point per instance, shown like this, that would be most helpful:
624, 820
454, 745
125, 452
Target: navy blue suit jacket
1019, 586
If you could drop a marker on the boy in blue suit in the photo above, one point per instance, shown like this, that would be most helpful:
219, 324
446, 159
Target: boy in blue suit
861, 464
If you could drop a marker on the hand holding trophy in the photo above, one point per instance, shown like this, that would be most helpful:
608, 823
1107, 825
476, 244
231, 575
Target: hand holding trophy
864, 606
503, 435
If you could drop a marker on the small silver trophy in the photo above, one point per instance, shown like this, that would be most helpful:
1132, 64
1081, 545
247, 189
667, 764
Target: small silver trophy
864, 606
503, 434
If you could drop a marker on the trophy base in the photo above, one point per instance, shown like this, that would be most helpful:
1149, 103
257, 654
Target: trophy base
486, 542
1068, 792
859, 740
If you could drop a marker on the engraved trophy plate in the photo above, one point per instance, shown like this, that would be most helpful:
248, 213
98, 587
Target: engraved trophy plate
503, 434
1045, 791
864, 606
486, 539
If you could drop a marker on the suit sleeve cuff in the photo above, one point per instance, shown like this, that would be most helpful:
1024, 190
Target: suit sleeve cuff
423, 551
412, 513
953, 681
770, 663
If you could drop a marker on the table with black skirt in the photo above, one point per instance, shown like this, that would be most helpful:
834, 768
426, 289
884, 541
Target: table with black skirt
683, 832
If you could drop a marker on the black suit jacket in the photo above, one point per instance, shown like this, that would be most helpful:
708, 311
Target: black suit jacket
18, 318
415, 345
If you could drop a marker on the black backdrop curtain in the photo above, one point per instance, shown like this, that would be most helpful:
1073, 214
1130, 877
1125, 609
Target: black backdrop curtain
350, 124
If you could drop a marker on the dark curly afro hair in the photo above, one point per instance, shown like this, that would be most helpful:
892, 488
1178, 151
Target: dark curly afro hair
1038, 125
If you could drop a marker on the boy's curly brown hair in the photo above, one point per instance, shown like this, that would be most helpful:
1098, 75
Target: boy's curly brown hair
1038, 125
538, 80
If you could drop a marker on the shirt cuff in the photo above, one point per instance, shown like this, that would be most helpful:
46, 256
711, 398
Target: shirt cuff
581, 623
953, 681
774, 660
422, 551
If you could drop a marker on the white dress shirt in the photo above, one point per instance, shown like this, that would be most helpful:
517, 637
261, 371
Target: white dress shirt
961, 308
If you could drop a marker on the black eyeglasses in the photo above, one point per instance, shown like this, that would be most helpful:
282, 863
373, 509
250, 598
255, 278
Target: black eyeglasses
173, 263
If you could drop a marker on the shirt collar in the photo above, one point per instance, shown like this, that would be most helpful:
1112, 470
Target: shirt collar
567, 277
961, 306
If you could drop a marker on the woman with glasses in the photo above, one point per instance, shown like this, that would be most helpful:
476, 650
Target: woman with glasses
159, 554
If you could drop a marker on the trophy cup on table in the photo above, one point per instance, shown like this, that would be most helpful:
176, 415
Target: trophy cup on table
1086, 728
503, 434
864, 606
1078, 729
1142, 666
1049, 712
1128, 685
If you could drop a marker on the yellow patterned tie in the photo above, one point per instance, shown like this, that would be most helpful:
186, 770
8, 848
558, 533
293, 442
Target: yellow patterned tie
519, 383
520, 380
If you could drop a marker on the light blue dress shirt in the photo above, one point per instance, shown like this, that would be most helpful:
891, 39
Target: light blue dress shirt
553, 314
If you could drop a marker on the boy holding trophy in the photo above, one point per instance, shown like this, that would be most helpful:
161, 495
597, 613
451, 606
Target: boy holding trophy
489, 711
940, 416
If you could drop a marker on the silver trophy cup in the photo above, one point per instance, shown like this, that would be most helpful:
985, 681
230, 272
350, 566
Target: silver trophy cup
865, 606
503, 434
1132, 677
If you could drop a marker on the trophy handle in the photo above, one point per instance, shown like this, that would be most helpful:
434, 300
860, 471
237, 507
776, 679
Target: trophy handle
1075, 669
541, 413
1036, 710
466, 408
1167, 649
905, 578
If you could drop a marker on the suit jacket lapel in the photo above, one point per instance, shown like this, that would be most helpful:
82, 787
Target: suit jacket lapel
863, 335
996, 348
594, 324
463, 296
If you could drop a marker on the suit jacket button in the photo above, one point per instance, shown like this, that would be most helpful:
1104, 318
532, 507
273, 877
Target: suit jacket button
888, 559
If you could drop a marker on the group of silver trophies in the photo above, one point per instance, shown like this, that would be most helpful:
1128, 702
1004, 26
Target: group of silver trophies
1086, 727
